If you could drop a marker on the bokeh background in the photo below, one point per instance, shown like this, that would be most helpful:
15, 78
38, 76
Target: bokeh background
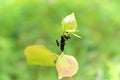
30, 22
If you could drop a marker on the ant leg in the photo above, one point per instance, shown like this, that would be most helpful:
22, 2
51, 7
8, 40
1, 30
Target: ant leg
57, 42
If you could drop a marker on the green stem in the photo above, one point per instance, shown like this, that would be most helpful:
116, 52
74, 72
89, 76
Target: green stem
71, 78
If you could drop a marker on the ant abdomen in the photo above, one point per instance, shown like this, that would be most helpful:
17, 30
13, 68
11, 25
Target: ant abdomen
62, 41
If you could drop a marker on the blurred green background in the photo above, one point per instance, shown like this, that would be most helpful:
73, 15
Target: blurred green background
30, 22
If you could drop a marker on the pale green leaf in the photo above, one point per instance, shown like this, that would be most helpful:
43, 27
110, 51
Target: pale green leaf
66, 65
69, 23
40, 55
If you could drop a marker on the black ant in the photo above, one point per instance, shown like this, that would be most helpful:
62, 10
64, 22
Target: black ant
62, 41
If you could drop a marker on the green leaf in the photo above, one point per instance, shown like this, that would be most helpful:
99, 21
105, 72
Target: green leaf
40, 55
69, 25
66, 65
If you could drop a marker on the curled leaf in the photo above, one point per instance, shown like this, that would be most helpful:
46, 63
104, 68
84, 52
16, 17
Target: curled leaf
40, 55
69, 25
66, 65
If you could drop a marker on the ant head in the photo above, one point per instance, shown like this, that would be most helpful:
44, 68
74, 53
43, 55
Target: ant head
66, 37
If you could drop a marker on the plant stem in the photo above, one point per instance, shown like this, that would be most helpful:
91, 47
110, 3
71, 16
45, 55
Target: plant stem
71, 78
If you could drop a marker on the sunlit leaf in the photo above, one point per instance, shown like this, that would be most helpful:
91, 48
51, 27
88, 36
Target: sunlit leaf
66, 65
69, 25
40, 55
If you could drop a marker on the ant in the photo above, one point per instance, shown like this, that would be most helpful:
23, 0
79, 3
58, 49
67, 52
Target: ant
62, 41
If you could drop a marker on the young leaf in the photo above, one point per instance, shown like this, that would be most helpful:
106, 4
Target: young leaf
66, 65
40, 55
69, 25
